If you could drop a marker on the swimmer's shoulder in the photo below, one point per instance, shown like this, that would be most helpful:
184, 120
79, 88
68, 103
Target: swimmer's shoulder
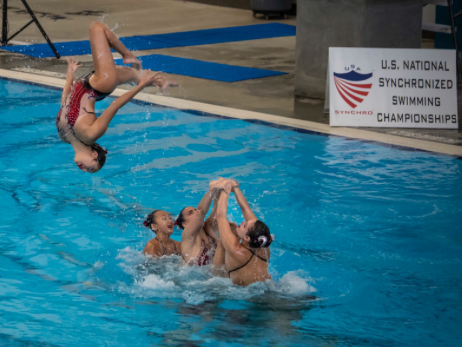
152, 248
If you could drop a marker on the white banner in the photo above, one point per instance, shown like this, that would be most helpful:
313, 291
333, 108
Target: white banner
393, 88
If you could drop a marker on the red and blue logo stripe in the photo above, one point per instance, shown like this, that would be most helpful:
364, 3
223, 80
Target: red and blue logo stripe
352, 87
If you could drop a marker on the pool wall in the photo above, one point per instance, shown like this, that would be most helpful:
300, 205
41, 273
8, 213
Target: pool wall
298, 125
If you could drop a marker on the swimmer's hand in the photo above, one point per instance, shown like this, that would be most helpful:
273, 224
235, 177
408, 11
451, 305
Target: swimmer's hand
228, 187
148, 78
72, 66
234, 184
165, 82
218, 184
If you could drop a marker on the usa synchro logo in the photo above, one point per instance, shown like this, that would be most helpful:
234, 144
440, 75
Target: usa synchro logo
353, 87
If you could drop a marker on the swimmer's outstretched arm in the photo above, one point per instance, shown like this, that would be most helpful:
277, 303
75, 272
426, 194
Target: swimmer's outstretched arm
243, 204
72, 67
99, 127
188, 237
195, 225
211, 225
226, 236
206, 202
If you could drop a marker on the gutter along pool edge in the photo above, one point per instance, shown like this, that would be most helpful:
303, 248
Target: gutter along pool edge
298, 125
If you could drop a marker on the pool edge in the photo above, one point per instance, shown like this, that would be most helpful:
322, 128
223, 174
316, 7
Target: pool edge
297, 125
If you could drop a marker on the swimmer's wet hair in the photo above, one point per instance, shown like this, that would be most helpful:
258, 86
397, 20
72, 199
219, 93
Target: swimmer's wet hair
180, 220
260, 236
101, 154
150, 219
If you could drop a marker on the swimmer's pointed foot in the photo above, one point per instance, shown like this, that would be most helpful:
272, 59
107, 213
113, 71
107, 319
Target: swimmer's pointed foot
133, 61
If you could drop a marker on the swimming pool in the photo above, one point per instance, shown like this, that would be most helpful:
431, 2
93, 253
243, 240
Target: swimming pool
367, 251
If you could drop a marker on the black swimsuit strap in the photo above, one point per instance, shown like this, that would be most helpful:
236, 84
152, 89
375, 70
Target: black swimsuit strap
248, 261
265, 260
240, 267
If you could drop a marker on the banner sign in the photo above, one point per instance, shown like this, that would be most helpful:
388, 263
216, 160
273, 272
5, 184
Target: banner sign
392, 88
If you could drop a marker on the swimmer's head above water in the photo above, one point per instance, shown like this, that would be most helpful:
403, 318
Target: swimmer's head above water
255, 232
160, 221
185, 216
91, 161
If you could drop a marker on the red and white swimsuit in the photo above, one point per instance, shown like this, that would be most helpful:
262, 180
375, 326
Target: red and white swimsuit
206, 255
74, 106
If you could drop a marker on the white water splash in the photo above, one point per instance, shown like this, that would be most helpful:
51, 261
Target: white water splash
167, 278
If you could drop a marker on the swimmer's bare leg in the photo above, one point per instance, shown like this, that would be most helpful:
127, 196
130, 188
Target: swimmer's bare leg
127, 74
130, 75
105, 79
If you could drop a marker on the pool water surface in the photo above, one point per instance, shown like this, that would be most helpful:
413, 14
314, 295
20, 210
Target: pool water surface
367, 252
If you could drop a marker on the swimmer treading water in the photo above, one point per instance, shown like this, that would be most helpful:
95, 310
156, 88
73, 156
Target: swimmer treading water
243, 249
199, 238
240, 252
76, 122
161, 223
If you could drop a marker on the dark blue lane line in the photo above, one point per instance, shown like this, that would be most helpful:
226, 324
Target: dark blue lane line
256, 121
202, 69
168, 40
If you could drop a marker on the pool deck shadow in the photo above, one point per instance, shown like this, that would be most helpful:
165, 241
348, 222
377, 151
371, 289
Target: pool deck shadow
264, 98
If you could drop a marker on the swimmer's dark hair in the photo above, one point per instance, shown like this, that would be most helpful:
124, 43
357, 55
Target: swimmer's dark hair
150, 219
101, 154
260, 236
180, 220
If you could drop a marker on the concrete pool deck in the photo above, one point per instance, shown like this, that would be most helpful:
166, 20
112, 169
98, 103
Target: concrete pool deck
268, 99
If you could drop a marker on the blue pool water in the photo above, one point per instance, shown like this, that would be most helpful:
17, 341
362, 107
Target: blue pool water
373, 233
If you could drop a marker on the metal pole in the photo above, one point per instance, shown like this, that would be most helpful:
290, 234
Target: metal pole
41, 29
5, 23
24, 27
454, 35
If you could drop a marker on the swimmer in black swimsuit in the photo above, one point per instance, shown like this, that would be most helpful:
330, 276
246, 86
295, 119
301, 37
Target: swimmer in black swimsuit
161, 223
244, 249
76, 122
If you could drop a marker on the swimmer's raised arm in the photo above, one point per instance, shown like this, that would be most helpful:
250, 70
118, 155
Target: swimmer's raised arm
99, 127
211, 225
242, 202
204, 204
195, 224
72, 67
229, 240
